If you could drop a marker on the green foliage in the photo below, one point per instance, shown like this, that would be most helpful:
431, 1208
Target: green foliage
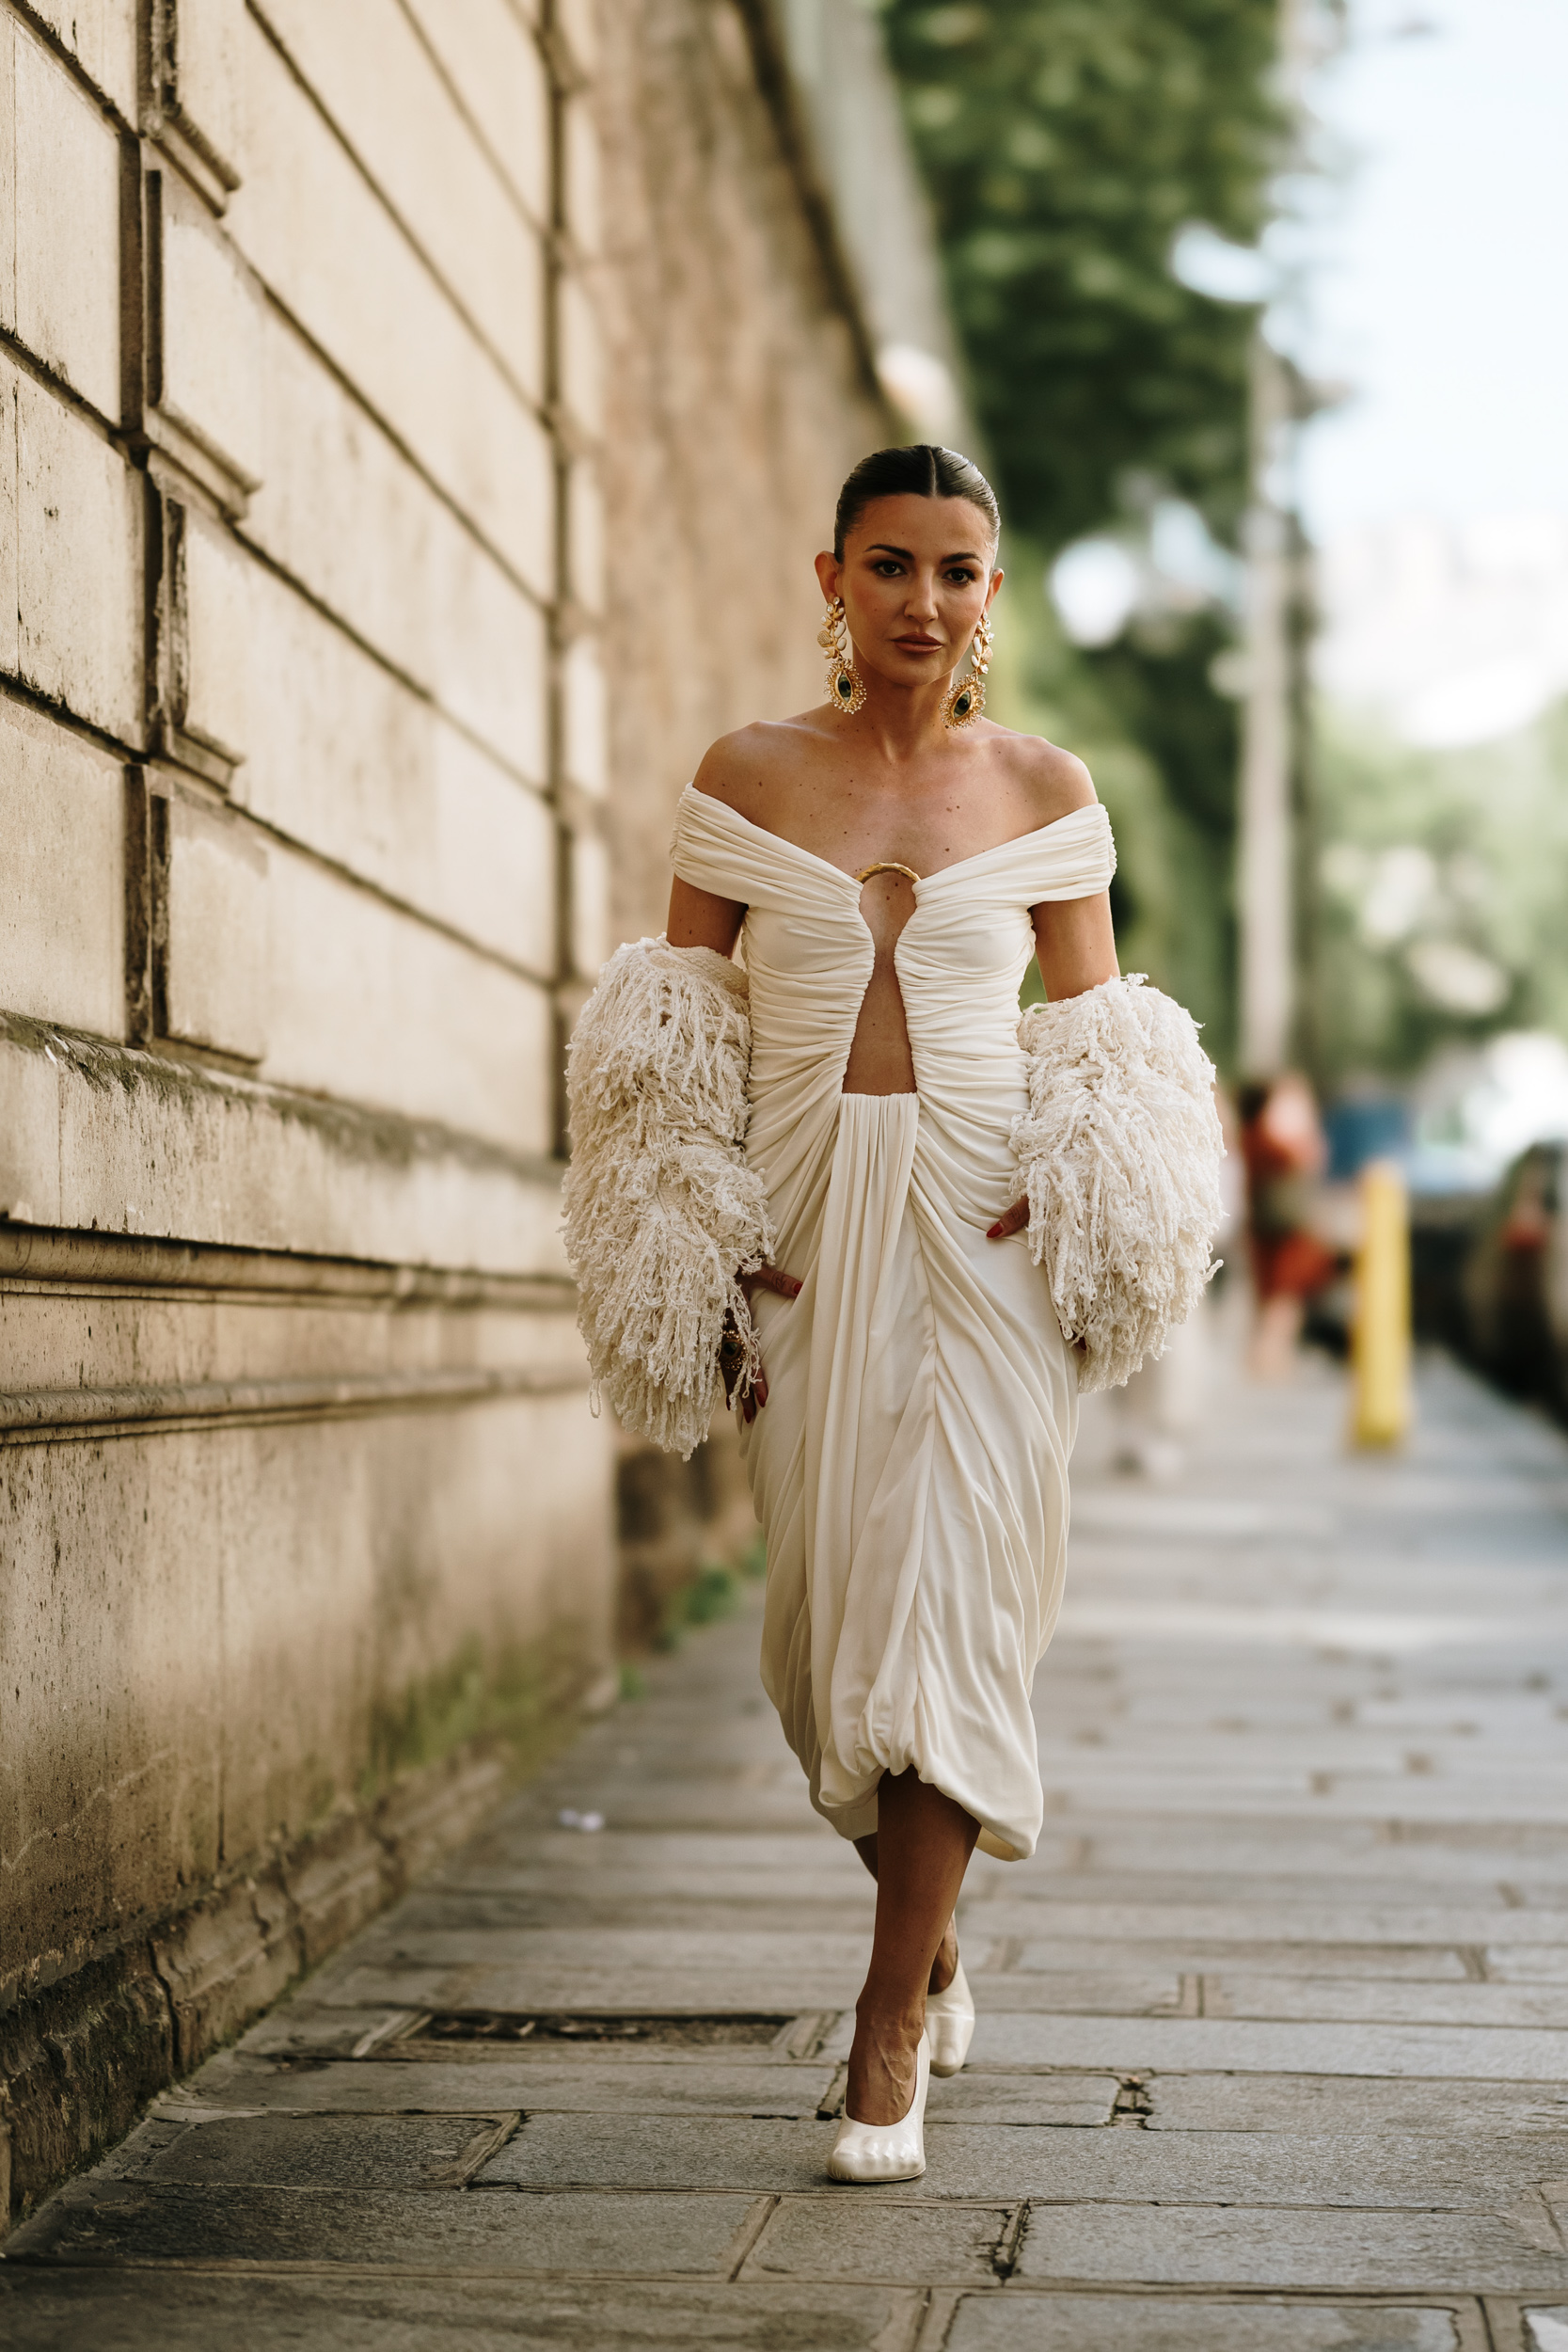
519, 1695
713, 1593
1143, 720
1419, 874
1066, 142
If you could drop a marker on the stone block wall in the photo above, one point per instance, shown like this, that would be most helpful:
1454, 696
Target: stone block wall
741, 389
307, 1528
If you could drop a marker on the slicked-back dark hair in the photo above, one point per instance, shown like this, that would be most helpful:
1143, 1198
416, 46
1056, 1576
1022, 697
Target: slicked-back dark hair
921, 469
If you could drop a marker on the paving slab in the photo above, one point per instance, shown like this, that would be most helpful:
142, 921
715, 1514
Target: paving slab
623, 1949
870, 2235
1512, 1962
1158, 2322
1211, 2046
1234, 1991
602, 2081
1439, 2109
688, 1918
1075, 2101
1118, 2167
1231, 1993
1336, 2250
964, 2160
63, 2311
306, 2151
1029, 1911
515, 1850
775, 1984
1419, 1964
306, 2024
1117, 1992
1351, 1921
665, 2151
1127, 1853
503, 2231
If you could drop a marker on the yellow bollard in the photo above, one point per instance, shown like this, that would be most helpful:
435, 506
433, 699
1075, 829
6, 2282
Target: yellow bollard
1380, 1351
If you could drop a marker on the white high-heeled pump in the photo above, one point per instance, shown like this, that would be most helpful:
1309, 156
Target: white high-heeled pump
950, 2023
886, 2152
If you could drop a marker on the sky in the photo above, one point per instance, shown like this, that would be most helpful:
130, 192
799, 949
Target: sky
1434, 286
1439, 285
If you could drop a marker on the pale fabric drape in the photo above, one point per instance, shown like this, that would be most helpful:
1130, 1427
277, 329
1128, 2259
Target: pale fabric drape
909, 1466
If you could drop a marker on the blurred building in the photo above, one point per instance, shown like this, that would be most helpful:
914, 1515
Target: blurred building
419, 421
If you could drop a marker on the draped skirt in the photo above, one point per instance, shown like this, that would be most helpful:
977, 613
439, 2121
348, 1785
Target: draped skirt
909, 1469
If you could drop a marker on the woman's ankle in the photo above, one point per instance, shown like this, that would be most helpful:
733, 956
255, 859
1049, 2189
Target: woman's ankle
884, 2066
888, 2028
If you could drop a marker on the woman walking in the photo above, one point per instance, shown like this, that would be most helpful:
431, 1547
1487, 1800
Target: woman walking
903, 1228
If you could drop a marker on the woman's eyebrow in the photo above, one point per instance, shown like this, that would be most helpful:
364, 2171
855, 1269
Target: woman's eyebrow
881, 547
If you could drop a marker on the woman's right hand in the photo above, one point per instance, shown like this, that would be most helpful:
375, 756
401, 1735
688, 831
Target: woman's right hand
767, 1278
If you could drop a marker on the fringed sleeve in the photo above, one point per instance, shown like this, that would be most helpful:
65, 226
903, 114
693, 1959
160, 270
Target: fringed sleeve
662, 1213
1119, 1155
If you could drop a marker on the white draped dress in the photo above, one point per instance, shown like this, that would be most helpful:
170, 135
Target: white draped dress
910, 1468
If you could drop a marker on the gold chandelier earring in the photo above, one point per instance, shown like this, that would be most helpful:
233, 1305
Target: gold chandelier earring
965, 699
846, 685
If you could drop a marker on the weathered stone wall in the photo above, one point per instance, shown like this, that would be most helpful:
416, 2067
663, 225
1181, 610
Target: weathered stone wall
307, 1528
739, 394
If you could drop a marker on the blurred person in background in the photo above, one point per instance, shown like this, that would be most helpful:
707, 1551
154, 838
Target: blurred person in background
1168, 1401
1285, 1153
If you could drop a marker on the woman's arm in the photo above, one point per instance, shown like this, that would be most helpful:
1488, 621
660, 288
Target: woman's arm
698, 919
1075, 945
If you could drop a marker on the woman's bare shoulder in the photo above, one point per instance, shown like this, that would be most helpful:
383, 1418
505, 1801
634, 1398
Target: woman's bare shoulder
746, 768
1051, 782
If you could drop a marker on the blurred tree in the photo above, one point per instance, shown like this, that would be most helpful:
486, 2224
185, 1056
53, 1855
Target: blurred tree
1434, 929
1066, 144
1170, 896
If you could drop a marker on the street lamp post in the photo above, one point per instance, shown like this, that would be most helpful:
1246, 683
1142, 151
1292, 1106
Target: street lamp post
1264, 860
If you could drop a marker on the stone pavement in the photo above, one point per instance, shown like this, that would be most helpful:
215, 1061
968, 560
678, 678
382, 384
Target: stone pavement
1274, 2038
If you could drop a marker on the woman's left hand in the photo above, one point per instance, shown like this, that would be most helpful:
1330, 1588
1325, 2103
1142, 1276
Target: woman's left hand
1014, 1221
731, 1353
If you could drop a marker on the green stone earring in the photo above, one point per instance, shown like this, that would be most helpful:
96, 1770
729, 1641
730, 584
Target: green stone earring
965, 699
846, 685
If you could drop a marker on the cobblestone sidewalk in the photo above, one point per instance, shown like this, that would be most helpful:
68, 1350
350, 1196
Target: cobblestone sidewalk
1274, 2037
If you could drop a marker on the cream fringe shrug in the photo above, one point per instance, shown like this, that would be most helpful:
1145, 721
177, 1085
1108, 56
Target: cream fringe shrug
1118, 1154
662, 1213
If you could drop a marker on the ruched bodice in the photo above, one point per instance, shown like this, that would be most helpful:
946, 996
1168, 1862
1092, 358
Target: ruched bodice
910, 1464
961, 959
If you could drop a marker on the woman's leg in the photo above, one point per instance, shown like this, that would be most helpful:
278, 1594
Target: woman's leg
922, 1845
945, 1966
